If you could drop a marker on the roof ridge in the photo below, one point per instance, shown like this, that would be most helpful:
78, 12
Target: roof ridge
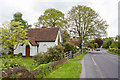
44, 28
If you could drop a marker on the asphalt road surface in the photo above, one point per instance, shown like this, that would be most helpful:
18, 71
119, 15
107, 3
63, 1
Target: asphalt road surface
99, 64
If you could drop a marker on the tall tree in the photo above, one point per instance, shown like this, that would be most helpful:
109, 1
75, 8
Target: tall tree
11, 36
85, 22
18, 17
51, 18
107, 42
65, 35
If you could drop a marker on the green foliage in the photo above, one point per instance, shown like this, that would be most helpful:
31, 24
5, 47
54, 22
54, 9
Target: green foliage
45, 70
20, 54
85, 22
65, 35
41, 58
18, 17
114, 44
69, 47
53, 54
107, 42
52, 18
114, 51
96, 45
26, 62
11, 36
56, 52
8, 63
90, 45
78, 58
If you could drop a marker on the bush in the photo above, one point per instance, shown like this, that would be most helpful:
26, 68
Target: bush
56, 53
69, 47
8, 63
41, 58
53, 54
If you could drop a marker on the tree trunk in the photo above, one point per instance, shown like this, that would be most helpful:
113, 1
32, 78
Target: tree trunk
12, 51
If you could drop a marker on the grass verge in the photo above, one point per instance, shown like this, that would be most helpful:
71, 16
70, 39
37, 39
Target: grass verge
72, 69
113, 53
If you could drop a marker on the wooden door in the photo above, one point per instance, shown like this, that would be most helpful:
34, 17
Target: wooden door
27, 51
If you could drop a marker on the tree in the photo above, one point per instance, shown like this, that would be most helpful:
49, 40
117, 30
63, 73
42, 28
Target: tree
18, 17
51, 18
116, 42
95, 45
65, 35
99, 42
90, 44
85, 22
11, 36
107, 42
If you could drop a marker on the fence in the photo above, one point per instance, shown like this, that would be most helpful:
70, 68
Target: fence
68, 54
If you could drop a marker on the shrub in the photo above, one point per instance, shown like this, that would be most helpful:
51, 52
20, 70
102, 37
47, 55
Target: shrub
53, 54
41, 58
8, 63
56, 53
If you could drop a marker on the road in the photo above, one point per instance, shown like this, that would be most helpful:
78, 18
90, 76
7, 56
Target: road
99, 64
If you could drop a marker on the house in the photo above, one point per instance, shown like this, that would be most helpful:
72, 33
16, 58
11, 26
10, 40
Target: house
39, 40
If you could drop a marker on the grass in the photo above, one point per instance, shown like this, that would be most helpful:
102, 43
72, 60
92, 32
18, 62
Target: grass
112, 52
26, 62
72, 69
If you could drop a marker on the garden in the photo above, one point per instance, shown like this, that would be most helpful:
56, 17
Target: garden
47, 62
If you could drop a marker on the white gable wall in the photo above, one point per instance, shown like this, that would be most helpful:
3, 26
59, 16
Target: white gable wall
61, 40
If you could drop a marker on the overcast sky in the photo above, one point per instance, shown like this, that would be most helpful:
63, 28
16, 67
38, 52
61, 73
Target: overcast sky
32, 9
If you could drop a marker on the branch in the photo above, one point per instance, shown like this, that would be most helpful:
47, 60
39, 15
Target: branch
16, 46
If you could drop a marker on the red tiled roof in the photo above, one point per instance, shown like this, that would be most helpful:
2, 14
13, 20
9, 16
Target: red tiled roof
42, 35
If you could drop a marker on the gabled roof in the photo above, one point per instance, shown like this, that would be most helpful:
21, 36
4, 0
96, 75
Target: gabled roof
42, 35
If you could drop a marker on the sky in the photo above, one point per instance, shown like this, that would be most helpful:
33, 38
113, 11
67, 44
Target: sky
32, 9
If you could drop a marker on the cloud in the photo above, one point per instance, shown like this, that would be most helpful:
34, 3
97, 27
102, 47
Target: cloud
32, 9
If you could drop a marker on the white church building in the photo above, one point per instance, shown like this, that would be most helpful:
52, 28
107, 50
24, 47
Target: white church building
39, 40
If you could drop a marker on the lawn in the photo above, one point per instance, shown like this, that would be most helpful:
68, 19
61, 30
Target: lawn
26, 62
72, 69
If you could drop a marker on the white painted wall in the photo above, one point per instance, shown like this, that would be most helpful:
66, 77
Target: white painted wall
22, 49
61, 40
44, 45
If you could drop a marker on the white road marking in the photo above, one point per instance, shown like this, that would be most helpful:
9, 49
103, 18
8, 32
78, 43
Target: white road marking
94, 61
97, 67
